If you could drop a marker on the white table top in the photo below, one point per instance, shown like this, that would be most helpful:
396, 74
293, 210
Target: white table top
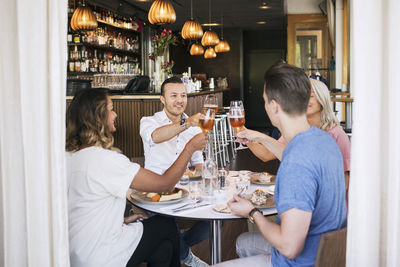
205, 212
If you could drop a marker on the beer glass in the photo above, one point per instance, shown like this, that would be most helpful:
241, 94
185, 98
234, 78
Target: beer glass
210, 102
207, 121
236, 118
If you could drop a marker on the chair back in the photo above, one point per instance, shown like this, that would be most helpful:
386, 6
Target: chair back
332, 249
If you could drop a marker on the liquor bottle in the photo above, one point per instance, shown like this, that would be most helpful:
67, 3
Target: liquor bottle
77, 38
69, 36
71, 63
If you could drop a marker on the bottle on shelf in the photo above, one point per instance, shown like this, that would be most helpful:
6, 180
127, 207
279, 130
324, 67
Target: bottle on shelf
77, 38
69, 35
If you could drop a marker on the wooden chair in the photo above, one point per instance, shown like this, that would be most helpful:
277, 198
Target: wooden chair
332, 249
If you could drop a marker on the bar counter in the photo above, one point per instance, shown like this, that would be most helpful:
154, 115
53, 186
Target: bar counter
131, 108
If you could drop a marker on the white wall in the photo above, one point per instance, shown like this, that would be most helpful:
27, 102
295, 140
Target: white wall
303, 6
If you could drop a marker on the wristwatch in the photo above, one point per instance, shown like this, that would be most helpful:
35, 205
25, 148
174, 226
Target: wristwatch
183, 122
251, 213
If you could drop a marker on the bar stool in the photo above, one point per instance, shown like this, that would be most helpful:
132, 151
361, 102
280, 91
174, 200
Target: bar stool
216, 142
230, 135
223, 137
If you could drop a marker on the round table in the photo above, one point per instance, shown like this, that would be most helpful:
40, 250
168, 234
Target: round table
204, 213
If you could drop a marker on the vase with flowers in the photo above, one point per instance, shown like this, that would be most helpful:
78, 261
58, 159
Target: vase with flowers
162, 65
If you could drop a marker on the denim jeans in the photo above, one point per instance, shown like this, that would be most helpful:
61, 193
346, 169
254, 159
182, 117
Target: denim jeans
193, 236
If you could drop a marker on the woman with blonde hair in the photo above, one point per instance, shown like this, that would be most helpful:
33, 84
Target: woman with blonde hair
319, 114
99, 177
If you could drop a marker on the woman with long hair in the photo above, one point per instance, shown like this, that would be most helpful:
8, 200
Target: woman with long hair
319, 114
99, 177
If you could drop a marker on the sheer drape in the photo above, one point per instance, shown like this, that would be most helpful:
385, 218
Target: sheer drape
330, 10
33, 210
374, 199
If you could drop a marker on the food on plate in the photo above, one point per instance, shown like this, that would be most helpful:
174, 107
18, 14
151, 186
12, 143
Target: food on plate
259, 197
189, 173
155, 198
160, 197
222, 207
264, 177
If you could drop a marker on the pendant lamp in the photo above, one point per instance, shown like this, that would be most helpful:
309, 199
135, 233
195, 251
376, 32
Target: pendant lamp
210, 38
83, 19
162, 12
196, 50
210, 53
223, 45
191, 29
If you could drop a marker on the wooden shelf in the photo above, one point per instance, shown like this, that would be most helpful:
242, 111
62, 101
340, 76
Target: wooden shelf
106, 48
341, 99
117, 27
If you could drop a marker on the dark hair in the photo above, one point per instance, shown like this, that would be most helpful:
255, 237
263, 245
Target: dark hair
173, 79
289, 86
87, 120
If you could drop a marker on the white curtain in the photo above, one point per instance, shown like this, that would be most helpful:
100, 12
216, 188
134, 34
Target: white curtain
374, 213
33, 209
330, 10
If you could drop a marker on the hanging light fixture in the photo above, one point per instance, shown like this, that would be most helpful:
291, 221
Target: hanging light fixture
210, 53
196, 50
83, 19
223, 45
162, 12
191, 29
210, 38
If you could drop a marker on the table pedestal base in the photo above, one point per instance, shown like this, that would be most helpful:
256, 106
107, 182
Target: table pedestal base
215, 241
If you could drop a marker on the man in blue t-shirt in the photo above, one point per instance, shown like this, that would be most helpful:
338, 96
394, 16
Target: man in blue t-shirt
310, 188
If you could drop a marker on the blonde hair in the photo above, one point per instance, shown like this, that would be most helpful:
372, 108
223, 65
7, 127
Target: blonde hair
87, 121
321, 92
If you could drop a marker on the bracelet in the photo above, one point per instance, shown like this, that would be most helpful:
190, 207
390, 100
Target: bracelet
251, 214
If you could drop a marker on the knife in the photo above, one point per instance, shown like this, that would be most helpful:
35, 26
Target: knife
191, 207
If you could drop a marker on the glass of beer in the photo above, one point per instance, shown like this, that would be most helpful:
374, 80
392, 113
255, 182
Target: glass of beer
207, 121
210, 102
236, 117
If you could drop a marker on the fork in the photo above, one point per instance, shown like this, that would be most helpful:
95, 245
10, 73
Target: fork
198, 205
187, 204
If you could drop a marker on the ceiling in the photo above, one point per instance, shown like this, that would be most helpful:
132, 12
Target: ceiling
243, 14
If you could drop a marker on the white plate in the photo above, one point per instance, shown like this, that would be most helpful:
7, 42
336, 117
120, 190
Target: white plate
141, 197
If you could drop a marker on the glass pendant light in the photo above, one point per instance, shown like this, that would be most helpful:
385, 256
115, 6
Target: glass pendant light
161, 12
191, 29
223, 45
83, 19
210, 53
196, 50
210, 38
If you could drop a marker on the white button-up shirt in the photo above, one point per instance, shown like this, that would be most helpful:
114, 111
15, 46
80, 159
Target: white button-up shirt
159, 157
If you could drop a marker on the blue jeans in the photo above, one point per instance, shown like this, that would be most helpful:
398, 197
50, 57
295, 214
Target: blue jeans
199, 232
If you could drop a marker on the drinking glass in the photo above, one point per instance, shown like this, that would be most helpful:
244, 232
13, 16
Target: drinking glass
210, 102
196, 189
242, 184
207, 122
236, 118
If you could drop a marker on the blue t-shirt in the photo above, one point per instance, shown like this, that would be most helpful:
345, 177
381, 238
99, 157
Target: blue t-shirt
311, 178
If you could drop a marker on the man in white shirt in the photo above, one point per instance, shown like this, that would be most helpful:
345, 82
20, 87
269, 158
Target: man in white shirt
164, 136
